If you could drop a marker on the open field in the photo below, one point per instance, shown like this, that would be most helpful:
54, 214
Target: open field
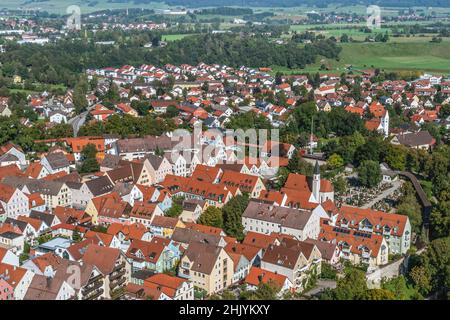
408, 56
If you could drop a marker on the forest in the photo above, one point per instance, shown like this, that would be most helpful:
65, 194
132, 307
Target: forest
63, 61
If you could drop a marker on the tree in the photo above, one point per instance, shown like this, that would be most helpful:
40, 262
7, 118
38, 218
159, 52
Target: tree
400, 288
177, 207
335, 161
379, 294
369, 173
396, 157
410, 207
88, 154
282, 175
352, 286
298, 165
232, 216
344, 38
421, 278
79, 96
212, 216
76, 236
266, 291
340, 185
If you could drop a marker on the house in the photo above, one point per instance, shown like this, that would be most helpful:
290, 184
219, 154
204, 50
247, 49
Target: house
186, 236
8, 257
419, 140
126, 233
296, 260
207, 266
56, 162
158, 255
246, 183
54, 193
396, 228
18, 278
139, 292
174, 287
113, 266
330, 251
144, 213
192, 209
266, 218
244, 257
165, 226
95, 206
131, 172
79, 143
256, 276
5, 111
158, 167
36, 171
13, 202
13, 152
356, 246
82, 193
57, 116
101, 113
59, 273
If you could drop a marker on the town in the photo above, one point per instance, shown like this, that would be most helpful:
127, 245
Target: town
215, 182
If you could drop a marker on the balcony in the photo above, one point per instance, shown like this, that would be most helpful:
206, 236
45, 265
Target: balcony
117, 283
303, 269
94, 295
119, 266
94, 279
91, 287
116, 274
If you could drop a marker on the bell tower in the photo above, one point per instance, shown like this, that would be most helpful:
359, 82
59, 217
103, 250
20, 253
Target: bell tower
316, 182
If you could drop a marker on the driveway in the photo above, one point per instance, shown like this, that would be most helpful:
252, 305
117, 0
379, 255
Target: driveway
321, 285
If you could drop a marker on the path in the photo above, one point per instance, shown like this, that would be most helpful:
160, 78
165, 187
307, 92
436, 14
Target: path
396, 184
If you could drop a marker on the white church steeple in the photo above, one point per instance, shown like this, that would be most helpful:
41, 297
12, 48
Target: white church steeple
316, 182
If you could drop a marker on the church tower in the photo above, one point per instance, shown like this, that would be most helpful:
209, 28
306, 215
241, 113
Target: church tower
316, 182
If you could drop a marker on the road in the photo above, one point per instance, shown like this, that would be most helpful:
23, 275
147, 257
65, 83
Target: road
80, 119
320, 286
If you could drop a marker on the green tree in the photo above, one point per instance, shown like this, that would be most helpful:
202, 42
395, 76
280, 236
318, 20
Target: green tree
90, 164
421, 278
76, 236
212, 216
232, 216
266, 291
379, 294
340, 185
335, 161
396, 157
369, 173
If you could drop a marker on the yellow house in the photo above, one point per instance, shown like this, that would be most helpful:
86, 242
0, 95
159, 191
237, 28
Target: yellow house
165, 226
209, 267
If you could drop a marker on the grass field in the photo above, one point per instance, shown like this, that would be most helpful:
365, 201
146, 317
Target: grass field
408, 56
174, 37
